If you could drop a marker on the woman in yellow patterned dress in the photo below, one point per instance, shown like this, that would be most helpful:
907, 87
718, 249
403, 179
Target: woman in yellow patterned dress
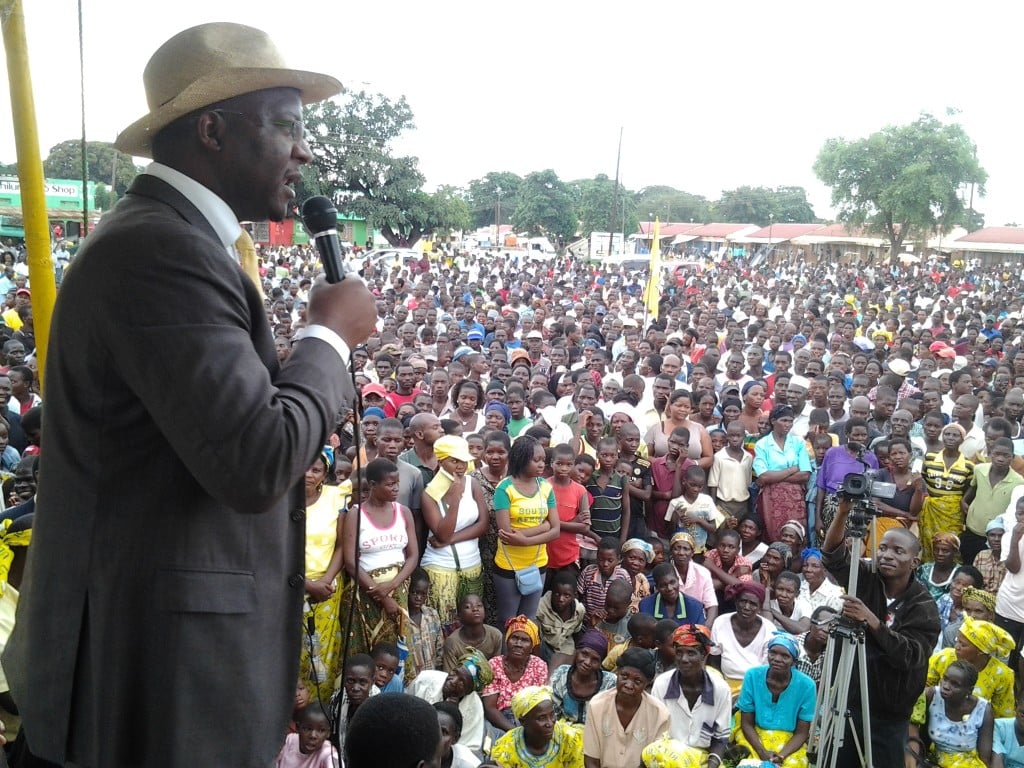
542, 741
981, 644
947, 475
321, 658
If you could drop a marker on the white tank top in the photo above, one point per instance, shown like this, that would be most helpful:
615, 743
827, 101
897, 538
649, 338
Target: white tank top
468, 551
382, 547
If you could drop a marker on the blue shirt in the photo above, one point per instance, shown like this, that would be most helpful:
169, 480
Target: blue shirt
1004, 742
688, 610
795, 703
768, 457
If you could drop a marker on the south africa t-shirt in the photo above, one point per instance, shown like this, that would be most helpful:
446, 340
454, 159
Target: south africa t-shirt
524, 512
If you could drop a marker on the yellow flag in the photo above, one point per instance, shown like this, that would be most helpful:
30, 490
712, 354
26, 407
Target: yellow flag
652, 293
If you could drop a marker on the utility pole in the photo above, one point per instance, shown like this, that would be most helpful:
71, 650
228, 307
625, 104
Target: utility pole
613, 220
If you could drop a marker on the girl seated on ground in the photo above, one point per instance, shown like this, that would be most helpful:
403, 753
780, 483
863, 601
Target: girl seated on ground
958, 724
472, 633
559, 617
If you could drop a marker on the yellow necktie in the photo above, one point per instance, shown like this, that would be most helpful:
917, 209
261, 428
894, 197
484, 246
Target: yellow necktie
250, 264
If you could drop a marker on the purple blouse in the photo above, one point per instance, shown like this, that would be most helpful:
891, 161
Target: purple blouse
837, 464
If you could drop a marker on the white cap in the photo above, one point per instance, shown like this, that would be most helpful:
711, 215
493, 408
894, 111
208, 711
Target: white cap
799, 381
899, 366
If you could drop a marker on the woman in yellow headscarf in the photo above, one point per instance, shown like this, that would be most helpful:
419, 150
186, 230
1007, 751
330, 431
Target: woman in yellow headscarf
981, 644
514, 670
541, 739
455, 512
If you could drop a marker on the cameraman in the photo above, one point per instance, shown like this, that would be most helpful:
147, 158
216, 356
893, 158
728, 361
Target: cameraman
901, 627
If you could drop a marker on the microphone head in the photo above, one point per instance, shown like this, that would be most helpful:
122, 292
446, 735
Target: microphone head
319, 214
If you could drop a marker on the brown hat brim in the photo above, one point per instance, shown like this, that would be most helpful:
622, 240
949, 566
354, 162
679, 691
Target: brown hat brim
137, 138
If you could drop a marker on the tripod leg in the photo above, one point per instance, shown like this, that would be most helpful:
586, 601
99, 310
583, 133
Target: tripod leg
820, 698
836, 689
862, 662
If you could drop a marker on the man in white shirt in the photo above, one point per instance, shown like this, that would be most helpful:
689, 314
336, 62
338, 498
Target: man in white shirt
706, 724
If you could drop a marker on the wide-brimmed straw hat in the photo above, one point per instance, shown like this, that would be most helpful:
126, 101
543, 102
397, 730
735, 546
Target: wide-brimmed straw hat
208, 64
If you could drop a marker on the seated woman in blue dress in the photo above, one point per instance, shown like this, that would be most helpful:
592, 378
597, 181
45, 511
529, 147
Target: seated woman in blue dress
668, 602
776, 707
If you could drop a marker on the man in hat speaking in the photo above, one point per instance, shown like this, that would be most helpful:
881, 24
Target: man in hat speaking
160, 617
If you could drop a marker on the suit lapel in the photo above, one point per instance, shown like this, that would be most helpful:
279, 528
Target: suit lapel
145, 185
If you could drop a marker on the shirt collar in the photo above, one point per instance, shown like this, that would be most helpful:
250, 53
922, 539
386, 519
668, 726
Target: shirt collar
213, 208
659, 611
707, 696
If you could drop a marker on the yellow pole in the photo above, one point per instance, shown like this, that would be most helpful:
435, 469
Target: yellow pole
30, 174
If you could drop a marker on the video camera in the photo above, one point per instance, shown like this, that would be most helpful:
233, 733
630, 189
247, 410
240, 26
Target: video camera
860, 488
865, 485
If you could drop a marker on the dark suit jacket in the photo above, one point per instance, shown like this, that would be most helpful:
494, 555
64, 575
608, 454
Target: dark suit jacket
159, 620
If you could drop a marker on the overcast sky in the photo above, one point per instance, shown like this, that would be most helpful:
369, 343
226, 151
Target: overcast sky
712, 95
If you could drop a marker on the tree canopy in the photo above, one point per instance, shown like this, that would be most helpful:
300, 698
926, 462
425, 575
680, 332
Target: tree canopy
483, 196
904, 181
354, 163
544, 206
763, 205
351, 140
670, 204
65, 162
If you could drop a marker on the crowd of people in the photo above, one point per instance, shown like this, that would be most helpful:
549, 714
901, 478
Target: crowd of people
590, 535
561, 524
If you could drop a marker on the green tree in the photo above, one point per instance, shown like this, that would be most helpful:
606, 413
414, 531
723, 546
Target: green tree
763, 205
904, 181
755, 205
451, 211
8, 169
670, 204
484, 194
351, 140
544, 206
792, 205
65, 162
973, 221
596, 203
103, 197
600, 209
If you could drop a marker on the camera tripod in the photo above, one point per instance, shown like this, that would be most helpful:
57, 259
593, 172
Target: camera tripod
832, 714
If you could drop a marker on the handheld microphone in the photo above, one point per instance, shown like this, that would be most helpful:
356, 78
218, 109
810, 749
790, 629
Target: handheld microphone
321, 220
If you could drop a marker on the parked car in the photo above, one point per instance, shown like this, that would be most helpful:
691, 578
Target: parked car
385, 258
